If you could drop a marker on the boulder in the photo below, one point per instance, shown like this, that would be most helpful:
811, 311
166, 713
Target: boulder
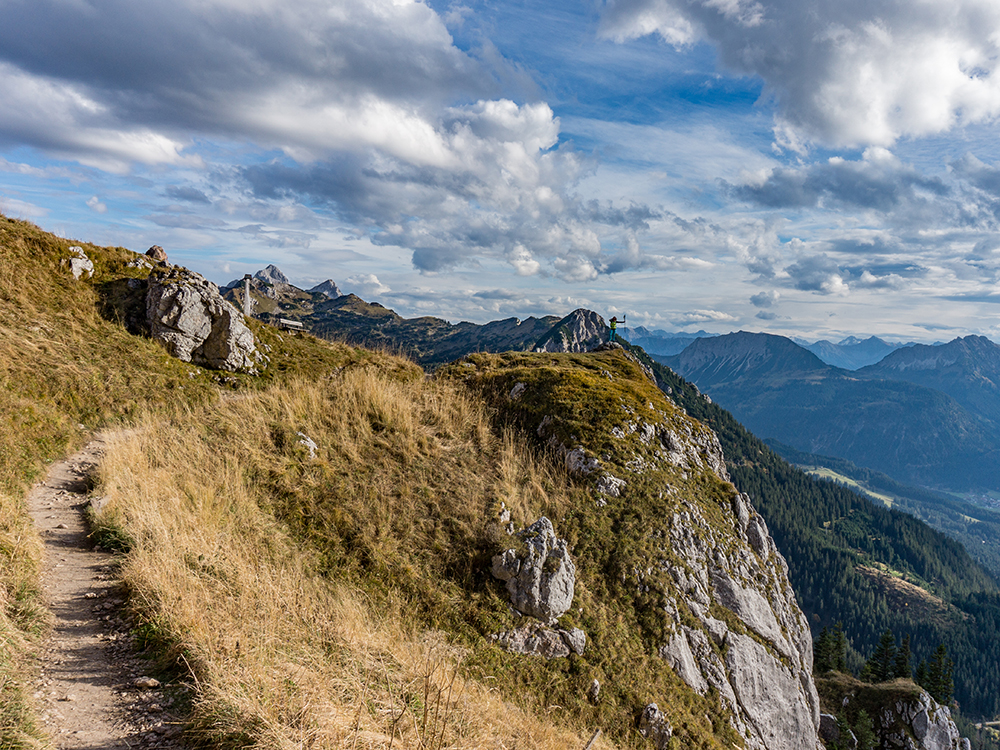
541, 579
157, 253
185, 312
654, 726
80, 265
536, 640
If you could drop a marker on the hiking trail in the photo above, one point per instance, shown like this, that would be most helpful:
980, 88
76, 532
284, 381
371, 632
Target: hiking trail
92, 690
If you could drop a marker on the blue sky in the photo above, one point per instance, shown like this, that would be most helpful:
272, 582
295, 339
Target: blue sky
815, 169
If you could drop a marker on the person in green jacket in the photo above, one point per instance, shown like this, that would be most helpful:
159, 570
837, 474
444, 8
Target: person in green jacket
614, 324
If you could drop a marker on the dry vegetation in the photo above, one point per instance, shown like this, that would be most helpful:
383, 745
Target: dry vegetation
341, 600
284, 657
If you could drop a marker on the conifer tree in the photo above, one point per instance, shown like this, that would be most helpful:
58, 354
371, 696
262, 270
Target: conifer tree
882, 663
864, 731
939, 676
823, 652
902, 666
838, 656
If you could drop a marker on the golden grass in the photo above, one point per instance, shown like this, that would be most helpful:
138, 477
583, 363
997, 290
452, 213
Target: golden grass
283, 657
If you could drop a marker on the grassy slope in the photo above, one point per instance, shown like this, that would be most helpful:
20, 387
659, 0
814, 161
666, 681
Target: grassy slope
328, 599
392, 526
68, 367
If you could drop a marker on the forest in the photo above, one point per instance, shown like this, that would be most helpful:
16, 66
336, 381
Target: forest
853, 562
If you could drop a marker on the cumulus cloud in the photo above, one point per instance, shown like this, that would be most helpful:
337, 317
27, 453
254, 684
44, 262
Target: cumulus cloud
817, 274
703, 316
877, 181
94, 204
765, 299
366, 284
842, 73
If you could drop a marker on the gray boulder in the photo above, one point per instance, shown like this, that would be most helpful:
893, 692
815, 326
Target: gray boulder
80, 265
654, 726
185, 312
923, 720
541, 579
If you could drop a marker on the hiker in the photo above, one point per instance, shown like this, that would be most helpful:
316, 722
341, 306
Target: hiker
614, 324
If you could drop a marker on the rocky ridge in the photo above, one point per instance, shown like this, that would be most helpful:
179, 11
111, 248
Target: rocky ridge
709, 569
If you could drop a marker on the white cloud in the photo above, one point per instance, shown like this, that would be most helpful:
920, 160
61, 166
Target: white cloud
94, 204
843, 73
703, 316
364, 284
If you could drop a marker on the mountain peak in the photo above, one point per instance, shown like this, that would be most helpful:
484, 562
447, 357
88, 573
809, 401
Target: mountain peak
272, 275
329, 288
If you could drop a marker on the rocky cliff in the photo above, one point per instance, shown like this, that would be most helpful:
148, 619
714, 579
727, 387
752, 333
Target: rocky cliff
902, 715
691, 554
579, 331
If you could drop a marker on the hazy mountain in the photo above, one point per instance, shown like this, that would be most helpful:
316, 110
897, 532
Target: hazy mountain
779, 390
662, 342
967, 369
853, 352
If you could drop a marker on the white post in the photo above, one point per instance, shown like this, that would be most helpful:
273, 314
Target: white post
246, 294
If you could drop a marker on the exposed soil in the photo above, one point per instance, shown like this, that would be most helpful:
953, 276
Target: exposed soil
93, 691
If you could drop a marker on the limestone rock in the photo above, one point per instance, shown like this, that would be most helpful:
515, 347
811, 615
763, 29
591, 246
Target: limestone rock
610, 485
654, 726
576, 639
80, 265
535, 639
770, 695
595, 691
185, 311
308, 443
923, 723
541, 581
157, 253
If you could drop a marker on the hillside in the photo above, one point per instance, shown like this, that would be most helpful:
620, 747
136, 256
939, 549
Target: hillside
779, 390
821, 527
318, 544
967, 369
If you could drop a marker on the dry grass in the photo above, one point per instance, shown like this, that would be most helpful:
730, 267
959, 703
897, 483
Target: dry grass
283, 657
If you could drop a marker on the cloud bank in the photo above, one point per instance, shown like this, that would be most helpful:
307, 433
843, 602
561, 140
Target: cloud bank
853, 73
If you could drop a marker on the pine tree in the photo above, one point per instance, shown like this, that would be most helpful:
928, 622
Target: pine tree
823, 652
939, 681
882, 663
838, 657
864, 730
921, 675
902, 665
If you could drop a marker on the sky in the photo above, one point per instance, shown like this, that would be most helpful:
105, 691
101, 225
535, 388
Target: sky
814, 168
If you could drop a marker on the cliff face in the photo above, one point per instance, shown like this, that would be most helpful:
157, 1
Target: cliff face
692, 556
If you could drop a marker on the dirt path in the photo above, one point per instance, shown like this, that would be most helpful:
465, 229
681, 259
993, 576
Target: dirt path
92, 690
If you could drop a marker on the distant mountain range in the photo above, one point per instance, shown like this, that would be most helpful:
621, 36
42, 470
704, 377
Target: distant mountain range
924, 414
853, 353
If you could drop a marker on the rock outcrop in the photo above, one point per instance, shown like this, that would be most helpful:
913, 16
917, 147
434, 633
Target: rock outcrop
920, 724
157, 253
541, 578
80, 265
185, 311
701, 566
